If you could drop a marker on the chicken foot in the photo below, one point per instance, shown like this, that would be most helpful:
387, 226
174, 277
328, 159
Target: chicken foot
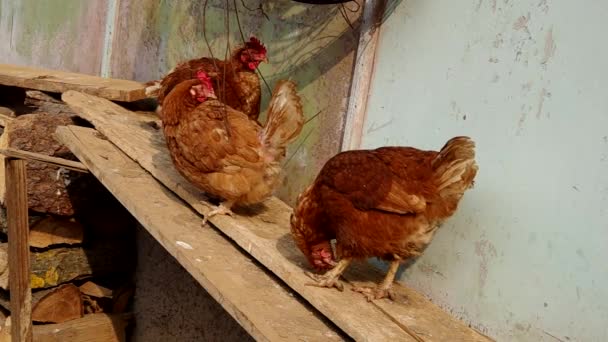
382, 290
222, 209
330, 278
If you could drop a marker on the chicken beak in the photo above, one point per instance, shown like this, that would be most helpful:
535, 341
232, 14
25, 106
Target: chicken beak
265, 60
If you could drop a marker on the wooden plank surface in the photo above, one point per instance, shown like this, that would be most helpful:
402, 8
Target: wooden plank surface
65, 163
18, 250
266, 309
266, 236
60, 81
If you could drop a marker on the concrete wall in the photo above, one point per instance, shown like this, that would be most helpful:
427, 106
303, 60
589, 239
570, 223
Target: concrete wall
170, 305
63, 34
525, 257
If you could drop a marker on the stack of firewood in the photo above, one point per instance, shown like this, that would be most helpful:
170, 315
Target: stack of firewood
81, 238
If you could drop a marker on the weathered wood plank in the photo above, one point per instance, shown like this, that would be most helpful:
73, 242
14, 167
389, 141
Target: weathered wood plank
265, 236
18, 250
67, 164
267, 310
60, 81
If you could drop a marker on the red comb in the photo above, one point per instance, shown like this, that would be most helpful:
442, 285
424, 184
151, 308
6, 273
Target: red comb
256, 44
204, 78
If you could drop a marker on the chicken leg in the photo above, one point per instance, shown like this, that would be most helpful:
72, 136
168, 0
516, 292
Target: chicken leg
330, 278
383, 289
222, 209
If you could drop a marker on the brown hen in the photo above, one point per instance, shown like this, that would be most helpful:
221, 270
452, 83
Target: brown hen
242, 167
241, 89
384, 203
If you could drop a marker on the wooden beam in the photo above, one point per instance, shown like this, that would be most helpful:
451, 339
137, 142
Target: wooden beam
60, 81
258, 301
373, 12
18, 251
67, 164
264, 233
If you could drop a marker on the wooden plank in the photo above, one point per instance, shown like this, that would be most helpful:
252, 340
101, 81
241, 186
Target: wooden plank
4, 118
60, 81
267, 310
373, 12
265, 236
98, 327
65, 163
18, 250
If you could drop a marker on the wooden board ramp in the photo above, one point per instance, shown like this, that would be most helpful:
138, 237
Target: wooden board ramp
60, 81
265, 235
267, 310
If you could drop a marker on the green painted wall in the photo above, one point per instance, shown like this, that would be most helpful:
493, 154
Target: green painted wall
312, 45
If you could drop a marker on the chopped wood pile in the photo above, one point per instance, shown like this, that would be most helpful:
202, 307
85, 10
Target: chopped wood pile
82, 251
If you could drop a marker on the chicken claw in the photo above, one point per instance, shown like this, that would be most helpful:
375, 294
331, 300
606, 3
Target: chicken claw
325, 280
373, 293
222, 209
330, 278
382, 290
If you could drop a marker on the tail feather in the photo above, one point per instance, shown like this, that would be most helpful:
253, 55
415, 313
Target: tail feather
455, 166
285, 119
152, 88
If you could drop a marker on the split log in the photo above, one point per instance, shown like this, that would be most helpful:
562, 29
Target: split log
46, 231
60, 265
96, 298
51, 296
33, 217
47, 184
62, 304
39, 102
92, 289
36, 296
90, 328
56, 231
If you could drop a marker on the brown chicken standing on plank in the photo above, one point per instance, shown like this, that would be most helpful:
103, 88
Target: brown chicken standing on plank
241, 89
384, 203
241, 168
